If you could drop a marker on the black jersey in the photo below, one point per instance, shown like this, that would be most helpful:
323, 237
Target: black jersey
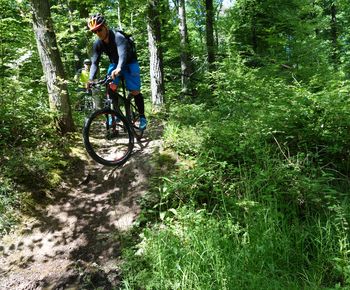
118, 50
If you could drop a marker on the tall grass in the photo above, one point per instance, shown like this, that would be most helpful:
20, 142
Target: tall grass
263, 204
246, 242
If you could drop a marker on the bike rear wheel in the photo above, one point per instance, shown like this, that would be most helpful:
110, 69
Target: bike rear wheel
108, 138
133, 116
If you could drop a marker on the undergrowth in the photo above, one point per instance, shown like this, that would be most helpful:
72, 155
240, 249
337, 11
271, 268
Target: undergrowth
33, 156
259, 198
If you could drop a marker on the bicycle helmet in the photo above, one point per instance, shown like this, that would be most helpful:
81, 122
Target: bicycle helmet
96, 21
87, 61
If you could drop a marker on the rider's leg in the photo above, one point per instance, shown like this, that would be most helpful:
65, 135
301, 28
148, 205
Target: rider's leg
133, 84
139, 101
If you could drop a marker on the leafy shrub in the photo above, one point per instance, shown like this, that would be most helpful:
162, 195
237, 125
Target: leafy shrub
31, 152
266, 194
9, 200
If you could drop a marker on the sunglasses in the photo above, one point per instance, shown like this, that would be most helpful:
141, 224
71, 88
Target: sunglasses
97, 30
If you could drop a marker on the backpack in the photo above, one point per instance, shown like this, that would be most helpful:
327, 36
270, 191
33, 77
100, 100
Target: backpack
131, 41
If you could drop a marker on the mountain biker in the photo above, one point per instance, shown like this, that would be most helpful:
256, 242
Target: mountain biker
82, 75
123, 62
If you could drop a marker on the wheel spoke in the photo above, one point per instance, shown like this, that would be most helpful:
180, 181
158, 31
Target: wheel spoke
107, 138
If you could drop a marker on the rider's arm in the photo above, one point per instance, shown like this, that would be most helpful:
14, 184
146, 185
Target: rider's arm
122, 46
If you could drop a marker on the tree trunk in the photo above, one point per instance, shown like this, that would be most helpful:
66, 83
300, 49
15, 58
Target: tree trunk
156, 55
254, 36
52, 65
76, 51
218, 11
186, 68
334, 34
210, 33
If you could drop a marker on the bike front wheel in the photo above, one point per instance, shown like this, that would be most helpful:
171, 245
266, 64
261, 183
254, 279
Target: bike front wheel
108, 138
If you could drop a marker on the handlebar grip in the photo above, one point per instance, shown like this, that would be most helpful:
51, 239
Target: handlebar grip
103, 81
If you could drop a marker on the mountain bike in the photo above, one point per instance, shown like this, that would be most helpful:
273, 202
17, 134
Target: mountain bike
85, 103
109, 133
89, 100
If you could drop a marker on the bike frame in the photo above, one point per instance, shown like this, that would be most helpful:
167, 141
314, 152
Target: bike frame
109, 103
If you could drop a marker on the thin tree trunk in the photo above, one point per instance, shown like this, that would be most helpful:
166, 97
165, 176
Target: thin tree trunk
76, 51
186, 68
334, 34
218, 11
156, 55
254, 36
210, 33
52, 65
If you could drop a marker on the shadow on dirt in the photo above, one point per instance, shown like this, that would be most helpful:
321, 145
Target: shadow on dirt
75, 239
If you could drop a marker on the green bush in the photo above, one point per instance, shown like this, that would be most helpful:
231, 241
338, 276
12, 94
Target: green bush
263, 204
31, 153
9, 201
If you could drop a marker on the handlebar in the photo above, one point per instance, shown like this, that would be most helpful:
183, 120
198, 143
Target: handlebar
106, 80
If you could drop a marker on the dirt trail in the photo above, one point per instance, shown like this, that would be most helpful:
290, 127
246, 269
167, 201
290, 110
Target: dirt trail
74, 243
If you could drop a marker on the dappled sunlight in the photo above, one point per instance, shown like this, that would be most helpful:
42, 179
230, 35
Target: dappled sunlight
80, 226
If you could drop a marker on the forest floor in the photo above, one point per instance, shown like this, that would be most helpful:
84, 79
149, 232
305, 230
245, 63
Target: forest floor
73, 242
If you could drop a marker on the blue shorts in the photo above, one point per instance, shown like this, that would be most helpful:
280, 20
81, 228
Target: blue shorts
131, 74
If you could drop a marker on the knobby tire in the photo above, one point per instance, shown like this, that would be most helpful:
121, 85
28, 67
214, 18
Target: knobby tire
108, 138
